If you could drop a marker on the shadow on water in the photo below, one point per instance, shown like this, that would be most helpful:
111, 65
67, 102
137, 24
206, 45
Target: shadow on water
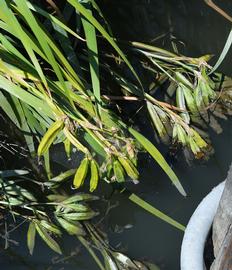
197, 30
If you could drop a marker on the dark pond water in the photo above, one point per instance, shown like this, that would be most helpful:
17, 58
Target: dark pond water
141, 235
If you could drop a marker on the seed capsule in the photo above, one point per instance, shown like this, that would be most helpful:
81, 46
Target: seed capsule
180, 101
81, 173
50, 136
118, 171
94, 175
129, 168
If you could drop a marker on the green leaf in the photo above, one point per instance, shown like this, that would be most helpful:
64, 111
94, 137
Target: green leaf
47, 238
31, 237
154, 152
53, 19
41, 36
91, 40
24, 125
56, 197
25, 96
223, 53
18, 191
35, 125
79, 7
80, 197
10, 173
63, 176
73, 228
16, 29
94, 145
9, 111
50, 227
109, 262
77, 216
154, 211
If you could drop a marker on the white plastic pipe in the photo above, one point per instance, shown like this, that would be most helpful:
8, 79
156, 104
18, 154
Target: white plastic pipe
192, 249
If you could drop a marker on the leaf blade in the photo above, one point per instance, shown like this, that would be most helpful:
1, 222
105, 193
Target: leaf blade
154, 152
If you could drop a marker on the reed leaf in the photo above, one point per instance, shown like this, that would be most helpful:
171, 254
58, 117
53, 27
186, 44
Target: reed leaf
223, 53
154, 152
91, 40
149, 208
80, 8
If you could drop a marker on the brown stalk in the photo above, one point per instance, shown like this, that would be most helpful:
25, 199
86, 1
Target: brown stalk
218, 9
54, 6
129, 98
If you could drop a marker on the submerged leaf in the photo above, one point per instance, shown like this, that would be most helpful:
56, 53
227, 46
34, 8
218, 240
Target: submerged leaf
137, 200
73, 228
47, 238
80, 197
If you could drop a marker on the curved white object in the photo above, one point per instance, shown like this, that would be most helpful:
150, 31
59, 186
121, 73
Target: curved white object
197, 230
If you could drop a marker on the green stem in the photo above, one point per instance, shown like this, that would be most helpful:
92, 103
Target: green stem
149, 47
91, 252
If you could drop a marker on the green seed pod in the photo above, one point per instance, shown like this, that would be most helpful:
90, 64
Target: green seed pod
189, 99
183, 80
174, 132
180, 101
50, 136
157, 122
67, 147
165, 120
203, 92
181, 134
194, 147
81, 173
198, 96
118, 171
94, 175
199, 141
129, 168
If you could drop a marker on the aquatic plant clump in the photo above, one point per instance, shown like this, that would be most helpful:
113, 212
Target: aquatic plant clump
57, 100
54, 93
64, 80
50, 213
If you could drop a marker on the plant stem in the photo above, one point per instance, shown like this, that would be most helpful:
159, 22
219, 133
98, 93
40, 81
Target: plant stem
91, 252
218, 9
